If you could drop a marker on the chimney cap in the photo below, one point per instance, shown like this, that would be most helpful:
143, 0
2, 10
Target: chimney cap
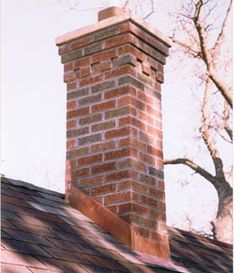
114, 17
110, 12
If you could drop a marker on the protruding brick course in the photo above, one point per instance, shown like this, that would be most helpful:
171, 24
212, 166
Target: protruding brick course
114, 122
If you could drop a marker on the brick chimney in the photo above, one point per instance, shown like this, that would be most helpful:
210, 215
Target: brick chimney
114, 71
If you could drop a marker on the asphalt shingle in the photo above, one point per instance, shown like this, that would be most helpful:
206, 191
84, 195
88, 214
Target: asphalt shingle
42, 234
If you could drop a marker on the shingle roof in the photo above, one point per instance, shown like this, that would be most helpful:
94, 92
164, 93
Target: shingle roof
41, 234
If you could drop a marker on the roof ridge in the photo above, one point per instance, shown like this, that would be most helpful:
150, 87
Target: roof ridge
29, 186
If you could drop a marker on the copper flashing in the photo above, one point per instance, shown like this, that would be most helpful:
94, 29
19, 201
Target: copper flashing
101, 216
113, 224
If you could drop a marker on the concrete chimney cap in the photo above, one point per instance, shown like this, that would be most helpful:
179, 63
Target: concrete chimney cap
110, 12
108, 17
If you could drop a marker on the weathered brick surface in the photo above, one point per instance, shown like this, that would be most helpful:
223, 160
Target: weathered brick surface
114, 137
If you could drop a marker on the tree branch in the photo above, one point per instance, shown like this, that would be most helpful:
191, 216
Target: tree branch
224, 90
220, 37
151, 11
207, 57
227, 122
202, 35
186, 47
205, 132
193, 166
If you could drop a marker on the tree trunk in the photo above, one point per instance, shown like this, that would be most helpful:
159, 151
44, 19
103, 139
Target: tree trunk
223, 224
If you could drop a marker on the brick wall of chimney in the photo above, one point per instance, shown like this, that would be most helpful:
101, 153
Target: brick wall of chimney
114, 122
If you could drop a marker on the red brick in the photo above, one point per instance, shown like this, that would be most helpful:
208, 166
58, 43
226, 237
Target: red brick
147, 118
142, 211
144, 98
128, 100
90, 100
117, 40
81, 42
70, 144
127, 69
105, 55
148, 180
117, 132
106, 167
69, 77
104, 189
71, 124
140, 188
99, 67
103, 106
113, 208
149, 39
132, 121
132, 141
124, 27
103, 126
160, 77
153, 151
153, 131
120, 175
68, 67
85, 72
146, 138
147, 159
94, 180
78, 152
137, 165
89, 139
162, 206
71, 105
90, 80
77, 113
80, 172
123, 111
124, 185
82, 62
160, 164
161, 185
149, 201
124, 208
71, 86
157, 193
105, 65
134, 51
102, 146
117, 154
117, 198
154, 112
120, 91
157, 86
91, 119
90, 159
146, 69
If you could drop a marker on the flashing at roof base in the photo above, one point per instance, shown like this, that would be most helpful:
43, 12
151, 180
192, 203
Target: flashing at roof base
113, 224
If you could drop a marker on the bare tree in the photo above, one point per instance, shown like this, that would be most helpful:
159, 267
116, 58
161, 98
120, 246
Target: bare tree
198, 43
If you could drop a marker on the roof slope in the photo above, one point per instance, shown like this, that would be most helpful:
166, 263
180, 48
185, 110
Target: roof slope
41, 234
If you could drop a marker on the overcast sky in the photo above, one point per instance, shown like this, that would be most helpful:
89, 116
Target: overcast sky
33, 105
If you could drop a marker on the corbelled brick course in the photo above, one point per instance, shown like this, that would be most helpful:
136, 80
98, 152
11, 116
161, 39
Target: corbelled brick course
114, 122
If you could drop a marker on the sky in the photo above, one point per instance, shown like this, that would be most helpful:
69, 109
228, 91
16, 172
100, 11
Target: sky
33, 105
